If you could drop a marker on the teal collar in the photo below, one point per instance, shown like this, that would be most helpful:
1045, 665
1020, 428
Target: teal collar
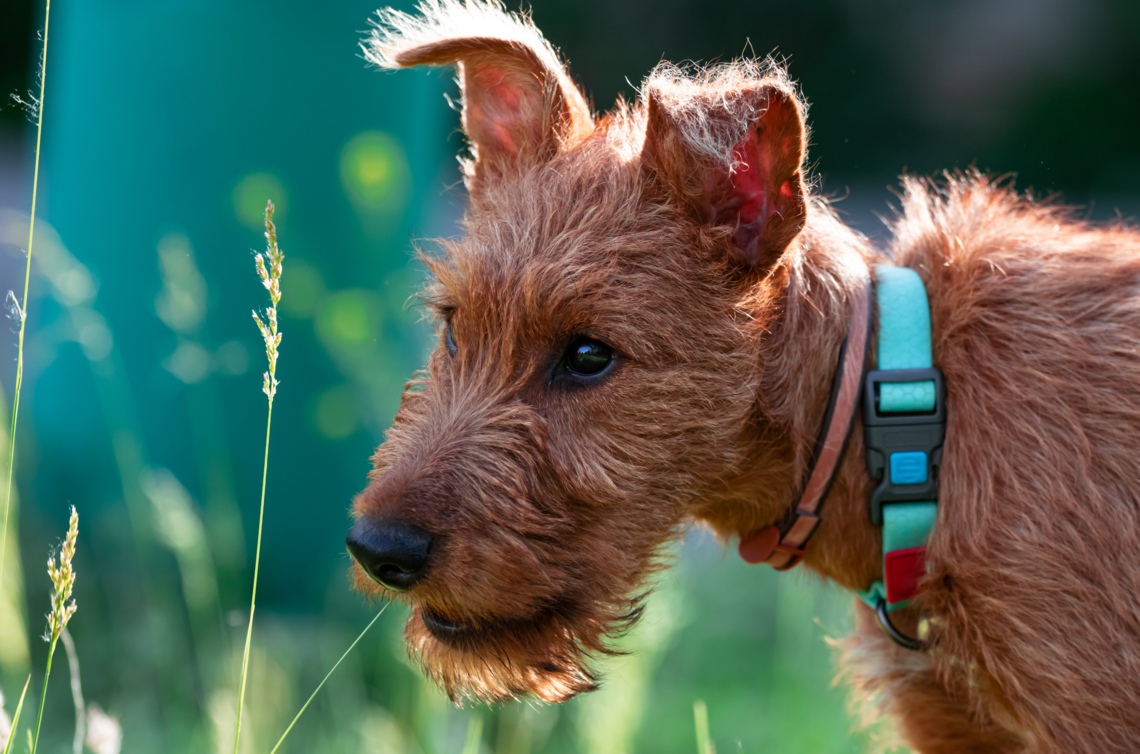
905, 392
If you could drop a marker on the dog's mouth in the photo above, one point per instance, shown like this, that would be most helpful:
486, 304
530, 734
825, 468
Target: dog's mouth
475, 633
543, 653
443, 629
468, 634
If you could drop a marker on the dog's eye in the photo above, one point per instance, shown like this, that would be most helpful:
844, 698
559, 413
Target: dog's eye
588, 357
450, 339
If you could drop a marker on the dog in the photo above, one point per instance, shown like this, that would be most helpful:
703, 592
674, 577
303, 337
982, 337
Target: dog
640, 328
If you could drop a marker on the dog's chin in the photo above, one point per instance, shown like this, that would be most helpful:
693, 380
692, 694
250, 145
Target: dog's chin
494, 660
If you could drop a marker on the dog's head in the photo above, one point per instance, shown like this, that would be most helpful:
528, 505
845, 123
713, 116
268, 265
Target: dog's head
597, 369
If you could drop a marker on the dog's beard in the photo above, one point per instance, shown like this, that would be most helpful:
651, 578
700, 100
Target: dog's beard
546, 656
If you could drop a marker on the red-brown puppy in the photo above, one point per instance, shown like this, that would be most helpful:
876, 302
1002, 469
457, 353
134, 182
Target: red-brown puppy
640, 327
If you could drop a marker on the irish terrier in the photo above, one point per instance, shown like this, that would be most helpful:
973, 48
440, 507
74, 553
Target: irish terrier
640, 328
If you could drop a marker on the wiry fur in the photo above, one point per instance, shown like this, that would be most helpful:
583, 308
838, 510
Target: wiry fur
396, 33
681, 232
688, 92
496, 53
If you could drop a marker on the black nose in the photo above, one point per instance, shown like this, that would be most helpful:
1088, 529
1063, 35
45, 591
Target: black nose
391, 553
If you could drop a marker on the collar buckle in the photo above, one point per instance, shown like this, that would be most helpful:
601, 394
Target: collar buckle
904, 449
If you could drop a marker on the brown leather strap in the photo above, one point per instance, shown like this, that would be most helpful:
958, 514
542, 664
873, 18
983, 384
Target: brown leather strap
783, 546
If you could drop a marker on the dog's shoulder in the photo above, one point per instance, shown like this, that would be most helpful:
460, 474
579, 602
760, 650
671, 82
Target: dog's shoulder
968, 223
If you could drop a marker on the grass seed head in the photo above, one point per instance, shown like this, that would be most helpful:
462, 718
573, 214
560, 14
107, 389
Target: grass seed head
62, 575
269, 267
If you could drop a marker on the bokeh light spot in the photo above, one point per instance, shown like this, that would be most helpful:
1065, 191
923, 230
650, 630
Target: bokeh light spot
233, 357
345, 319
374, 172
181, 304
304, 287
251, 194
190, 362
96, 340
335, 413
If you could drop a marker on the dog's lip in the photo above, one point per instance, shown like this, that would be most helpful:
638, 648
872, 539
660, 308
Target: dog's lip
440, 628
468, 630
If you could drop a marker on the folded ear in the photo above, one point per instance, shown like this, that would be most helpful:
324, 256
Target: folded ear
519, 105
730, 145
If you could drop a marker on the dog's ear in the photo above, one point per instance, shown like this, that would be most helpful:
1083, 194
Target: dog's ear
729, 144
519, 105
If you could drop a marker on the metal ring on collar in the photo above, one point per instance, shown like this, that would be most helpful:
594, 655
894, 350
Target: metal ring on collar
898, 637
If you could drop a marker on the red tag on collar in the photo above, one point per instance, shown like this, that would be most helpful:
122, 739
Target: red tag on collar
902, 570
758, 546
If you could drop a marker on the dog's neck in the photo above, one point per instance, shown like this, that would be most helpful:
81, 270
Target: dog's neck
816, 285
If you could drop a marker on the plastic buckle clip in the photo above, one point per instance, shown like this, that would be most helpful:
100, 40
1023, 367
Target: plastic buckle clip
887, 434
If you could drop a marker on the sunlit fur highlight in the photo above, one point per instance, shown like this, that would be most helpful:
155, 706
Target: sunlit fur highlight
552, 501
706, 101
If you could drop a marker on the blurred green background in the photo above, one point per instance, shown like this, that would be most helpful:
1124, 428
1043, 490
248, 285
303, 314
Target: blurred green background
168, 125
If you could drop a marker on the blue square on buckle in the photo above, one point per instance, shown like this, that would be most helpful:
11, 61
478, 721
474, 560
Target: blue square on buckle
908, 468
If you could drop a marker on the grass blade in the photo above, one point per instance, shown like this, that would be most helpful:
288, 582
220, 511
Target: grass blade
23, 306
16, 716
701, 719
327, 676
474, 735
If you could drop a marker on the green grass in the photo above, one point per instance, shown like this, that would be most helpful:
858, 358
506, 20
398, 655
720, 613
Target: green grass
16, 717
22, 306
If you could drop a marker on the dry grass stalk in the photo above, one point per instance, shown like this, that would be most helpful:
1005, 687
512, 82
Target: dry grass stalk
269, 270
76, 691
